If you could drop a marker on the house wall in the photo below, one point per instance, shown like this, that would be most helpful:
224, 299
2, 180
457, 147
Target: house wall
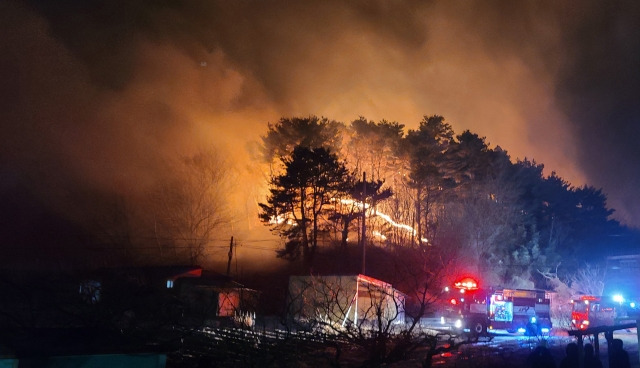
379, 298
343, 299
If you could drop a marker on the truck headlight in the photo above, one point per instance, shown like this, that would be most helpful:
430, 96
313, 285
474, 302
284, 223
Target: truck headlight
618, 298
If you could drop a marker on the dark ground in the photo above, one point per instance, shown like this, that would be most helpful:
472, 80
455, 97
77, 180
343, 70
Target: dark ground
224, 349
512, 352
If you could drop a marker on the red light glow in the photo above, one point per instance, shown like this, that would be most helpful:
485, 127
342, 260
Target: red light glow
467, 283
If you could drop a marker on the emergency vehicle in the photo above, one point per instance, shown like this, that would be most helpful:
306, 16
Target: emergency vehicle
521, 310
477, 310
589, 310
619, 303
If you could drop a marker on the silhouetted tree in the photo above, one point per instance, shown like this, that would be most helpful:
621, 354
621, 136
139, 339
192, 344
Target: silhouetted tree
424, 149
373, 148
288, 133
300, 197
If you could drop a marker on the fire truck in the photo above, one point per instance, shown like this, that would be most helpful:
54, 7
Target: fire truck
521, 310
620, 302
478, 310
589, 310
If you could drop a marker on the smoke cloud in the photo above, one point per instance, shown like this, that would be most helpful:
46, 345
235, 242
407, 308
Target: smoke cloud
98, 95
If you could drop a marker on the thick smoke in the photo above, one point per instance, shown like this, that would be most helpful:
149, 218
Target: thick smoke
97, 96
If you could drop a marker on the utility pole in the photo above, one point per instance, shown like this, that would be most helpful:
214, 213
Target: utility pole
364, 220
230, 256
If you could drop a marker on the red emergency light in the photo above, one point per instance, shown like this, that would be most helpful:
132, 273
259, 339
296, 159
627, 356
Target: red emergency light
466, 283
589, 297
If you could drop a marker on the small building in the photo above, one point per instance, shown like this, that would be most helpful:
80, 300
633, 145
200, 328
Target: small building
187, 294
214, 298
152, 277
345, 299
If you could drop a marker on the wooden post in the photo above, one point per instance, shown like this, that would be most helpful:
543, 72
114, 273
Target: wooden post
609, 336
364, 221
230, 256
638, 334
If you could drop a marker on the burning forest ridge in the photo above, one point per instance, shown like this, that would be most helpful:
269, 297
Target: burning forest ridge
426, 188
449, 194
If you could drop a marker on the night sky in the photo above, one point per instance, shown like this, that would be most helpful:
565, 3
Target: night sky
95, 96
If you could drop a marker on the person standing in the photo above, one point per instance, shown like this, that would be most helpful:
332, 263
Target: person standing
590, 360
572, 360
541, 358
618, 357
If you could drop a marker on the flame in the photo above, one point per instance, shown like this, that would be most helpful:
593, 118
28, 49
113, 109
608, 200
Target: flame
379, 235
385, 217
281, 219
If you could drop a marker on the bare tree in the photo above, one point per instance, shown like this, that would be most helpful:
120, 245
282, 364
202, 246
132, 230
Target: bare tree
189, 206
587, 280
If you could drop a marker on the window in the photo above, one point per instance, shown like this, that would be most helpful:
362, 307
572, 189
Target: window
169, 284
90, 291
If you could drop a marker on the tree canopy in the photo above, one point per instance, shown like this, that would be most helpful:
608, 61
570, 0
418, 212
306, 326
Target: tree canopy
504, 219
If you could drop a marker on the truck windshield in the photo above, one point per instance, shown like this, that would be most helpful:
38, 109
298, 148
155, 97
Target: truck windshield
580, 307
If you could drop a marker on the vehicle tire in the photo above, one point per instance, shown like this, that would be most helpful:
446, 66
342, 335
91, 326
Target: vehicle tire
478, 328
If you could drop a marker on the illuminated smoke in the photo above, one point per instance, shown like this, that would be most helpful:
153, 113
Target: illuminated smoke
98, 97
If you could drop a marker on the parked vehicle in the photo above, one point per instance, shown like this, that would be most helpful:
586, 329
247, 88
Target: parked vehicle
521, 310
619, 302
477, 310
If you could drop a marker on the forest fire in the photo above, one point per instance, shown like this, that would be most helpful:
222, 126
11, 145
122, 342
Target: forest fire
452, 193
371, 213
145, 133
375, 212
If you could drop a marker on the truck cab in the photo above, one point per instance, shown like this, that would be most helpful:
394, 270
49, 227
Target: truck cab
619, 303
464, 307
591, 311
